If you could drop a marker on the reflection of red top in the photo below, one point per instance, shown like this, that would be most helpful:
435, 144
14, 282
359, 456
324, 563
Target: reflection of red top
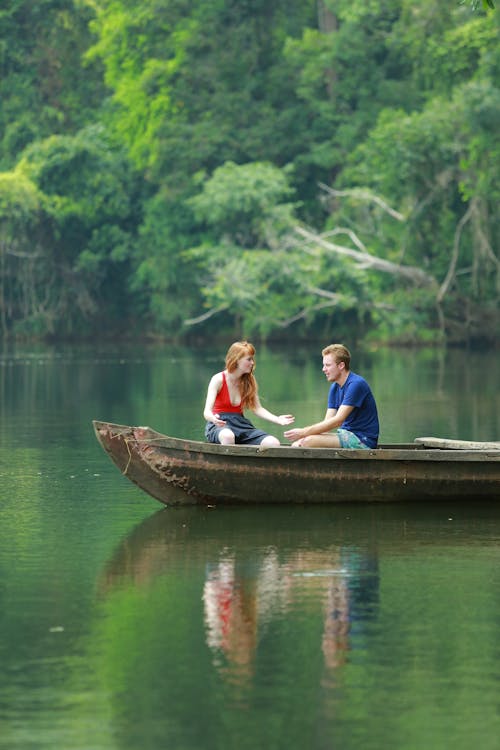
223, 400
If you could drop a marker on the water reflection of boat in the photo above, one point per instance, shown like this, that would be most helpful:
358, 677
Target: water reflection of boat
184, 472
295, 575
254, 576
198, 535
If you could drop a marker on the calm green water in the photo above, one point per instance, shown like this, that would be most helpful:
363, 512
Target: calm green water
124, 625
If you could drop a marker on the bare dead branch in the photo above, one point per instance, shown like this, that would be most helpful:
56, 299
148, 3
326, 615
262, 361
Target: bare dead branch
363, 195
484, 242
454, 254
333, 296
305, 312
205, 316
365, 260
19, 254
352, 235
334, 300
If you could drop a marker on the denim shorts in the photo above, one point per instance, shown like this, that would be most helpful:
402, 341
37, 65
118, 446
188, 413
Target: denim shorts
348, 439
244, 431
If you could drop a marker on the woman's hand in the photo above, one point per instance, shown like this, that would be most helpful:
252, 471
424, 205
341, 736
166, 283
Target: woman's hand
285, 419
217, 421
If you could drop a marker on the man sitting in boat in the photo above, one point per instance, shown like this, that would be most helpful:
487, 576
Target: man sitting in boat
232, 391
352, 410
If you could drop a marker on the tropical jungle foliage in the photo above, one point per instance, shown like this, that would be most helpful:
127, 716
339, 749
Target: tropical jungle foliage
240, 167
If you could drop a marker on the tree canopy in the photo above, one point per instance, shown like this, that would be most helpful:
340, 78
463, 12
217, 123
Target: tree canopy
250, 168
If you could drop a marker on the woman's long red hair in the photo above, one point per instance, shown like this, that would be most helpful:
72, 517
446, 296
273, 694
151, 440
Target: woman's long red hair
248, 384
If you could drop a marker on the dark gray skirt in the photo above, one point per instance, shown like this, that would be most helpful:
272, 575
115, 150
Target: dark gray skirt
244, 431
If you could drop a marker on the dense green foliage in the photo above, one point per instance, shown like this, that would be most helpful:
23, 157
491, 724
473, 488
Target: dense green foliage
163, 164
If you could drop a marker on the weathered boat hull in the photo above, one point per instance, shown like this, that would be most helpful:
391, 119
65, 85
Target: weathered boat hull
178, 471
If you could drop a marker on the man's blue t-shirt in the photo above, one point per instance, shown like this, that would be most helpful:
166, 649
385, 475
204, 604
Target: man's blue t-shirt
363, 420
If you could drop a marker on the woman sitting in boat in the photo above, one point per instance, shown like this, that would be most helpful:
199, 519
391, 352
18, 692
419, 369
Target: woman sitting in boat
232, 391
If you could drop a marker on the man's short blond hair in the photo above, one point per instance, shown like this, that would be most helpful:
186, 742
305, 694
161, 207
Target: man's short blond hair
340, 353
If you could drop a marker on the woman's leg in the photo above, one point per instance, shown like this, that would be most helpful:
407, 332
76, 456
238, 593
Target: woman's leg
270, 441
226, 436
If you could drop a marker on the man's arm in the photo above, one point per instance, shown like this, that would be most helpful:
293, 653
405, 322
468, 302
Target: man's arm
333, 418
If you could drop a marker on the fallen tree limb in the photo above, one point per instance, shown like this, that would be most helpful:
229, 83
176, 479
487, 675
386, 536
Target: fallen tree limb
334, 299
364, 195
450, 276
205, 316
365, 260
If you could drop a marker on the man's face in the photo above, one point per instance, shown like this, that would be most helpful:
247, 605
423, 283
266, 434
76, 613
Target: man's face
331, 368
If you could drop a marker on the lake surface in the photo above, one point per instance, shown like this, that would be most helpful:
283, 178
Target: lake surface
124, 625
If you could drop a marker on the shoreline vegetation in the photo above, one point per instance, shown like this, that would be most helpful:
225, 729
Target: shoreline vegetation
221, 340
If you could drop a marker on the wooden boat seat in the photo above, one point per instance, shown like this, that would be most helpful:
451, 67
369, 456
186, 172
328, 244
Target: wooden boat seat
467, 445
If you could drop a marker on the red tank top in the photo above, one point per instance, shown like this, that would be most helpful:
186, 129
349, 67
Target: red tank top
223, 400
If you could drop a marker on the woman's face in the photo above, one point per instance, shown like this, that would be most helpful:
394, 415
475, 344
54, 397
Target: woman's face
245, 364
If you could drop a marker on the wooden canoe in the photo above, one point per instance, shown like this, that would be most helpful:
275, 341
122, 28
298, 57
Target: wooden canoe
176, 471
